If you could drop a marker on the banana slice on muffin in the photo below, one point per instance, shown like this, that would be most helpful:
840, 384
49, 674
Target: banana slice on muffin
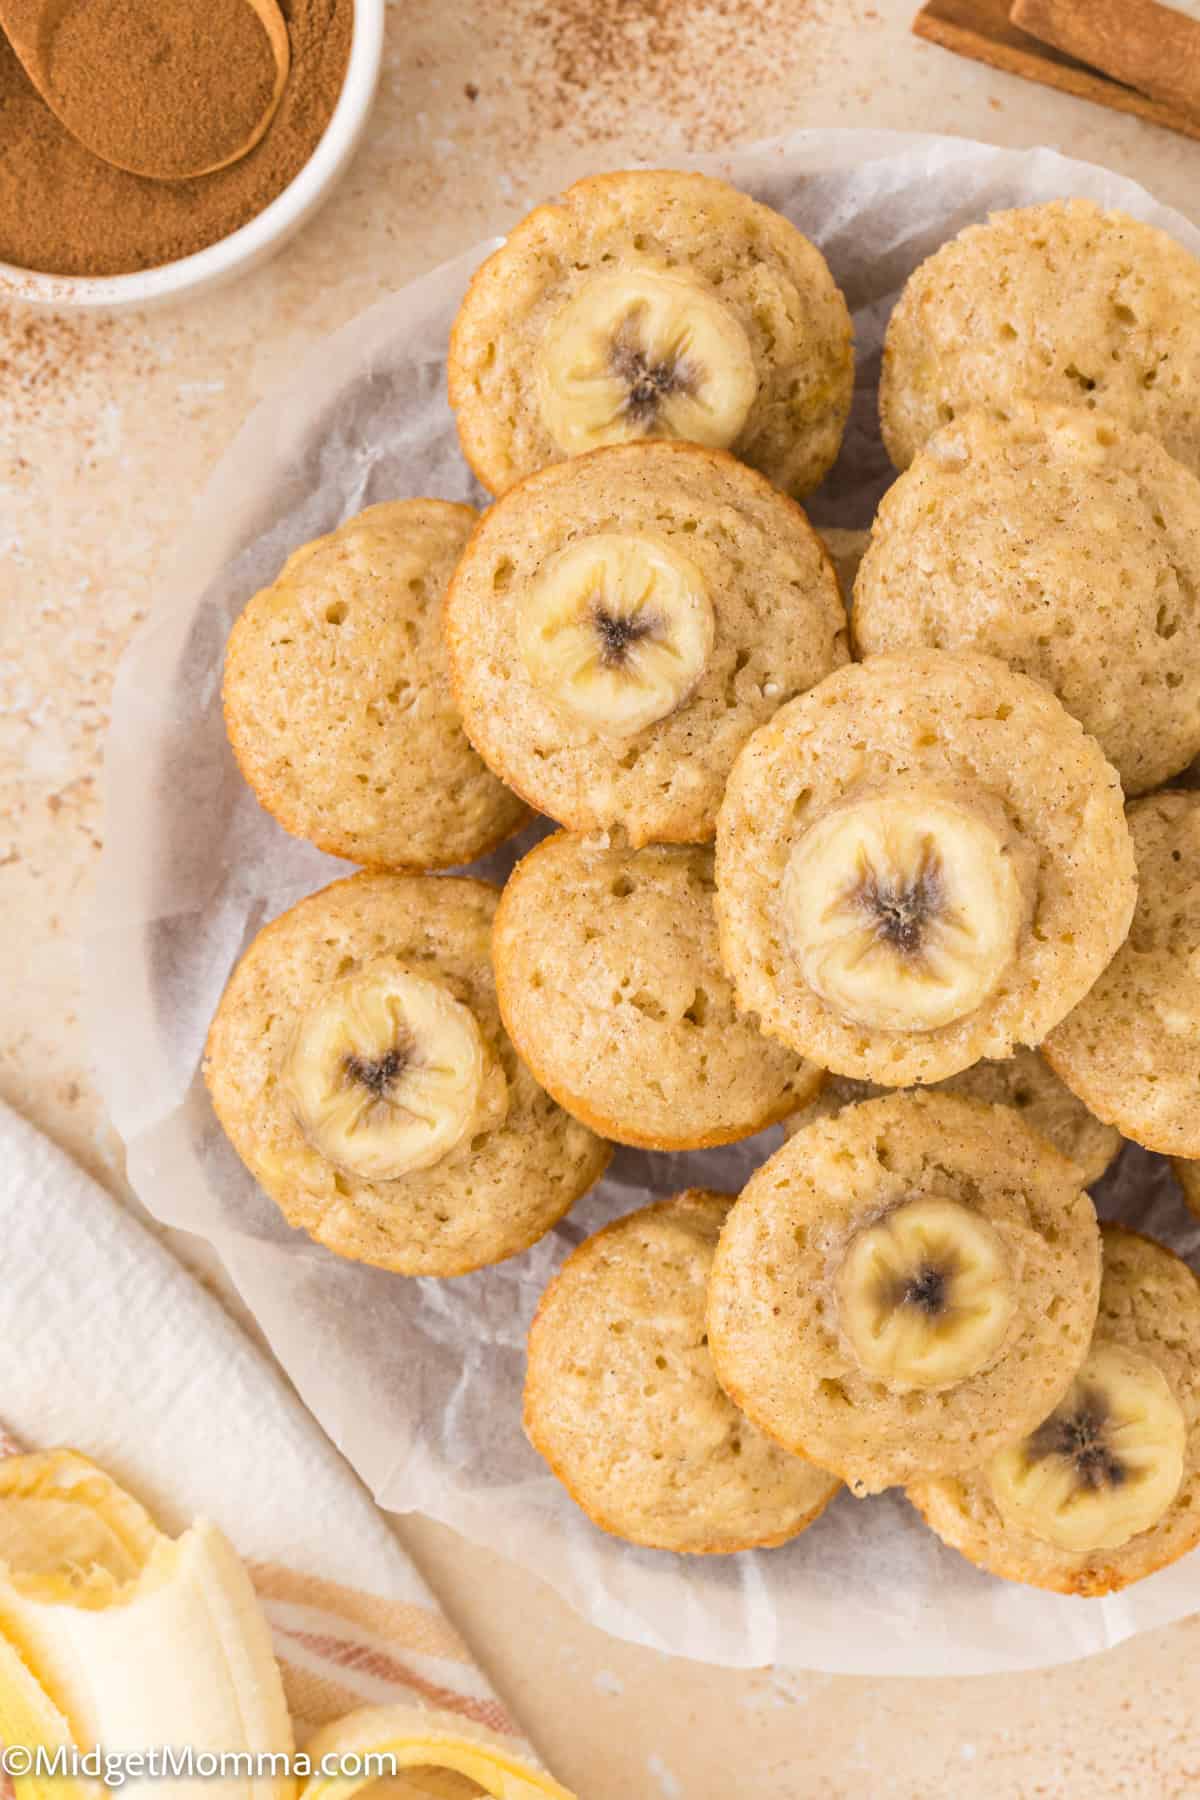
1106, 1464
619, 624
388, 1072
1105, 1489
611, 987
360, 1069
644, 352
652, 304
905, 1289
925, 1295
905, 908
622, 1401
616, 630
921, 862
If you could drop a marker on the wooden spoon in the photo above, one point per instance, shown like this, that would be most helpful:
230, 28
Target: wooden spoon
71, 79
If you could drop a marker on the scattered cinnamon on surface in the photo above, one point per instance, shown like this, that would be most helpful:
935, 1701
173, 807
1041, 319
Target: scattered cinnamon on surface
675, 55
65, 212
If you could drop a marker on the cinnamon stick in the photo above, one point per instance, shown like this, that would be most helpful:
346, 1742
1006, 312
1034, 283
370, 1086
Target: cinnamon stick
1146, 45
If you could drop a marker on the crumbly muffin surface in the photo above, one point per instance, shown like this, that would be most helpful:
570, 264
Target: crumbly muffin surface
1149, 1301
1001, 746
1062, 302
766, 278
338, 703
778, 626
611, 987
1026, 1082
778, 1321
500, 1193
621, 1399
1131, 1048
1068, 546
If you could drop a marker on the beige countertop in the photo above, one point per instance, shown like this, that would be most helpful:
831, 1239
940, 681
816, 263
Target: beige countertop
108, 428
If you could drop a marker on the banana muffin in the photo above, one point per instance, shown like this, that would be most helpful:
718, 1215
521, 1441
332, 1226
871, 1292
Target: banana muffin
338, 704
922, 862
1062, 302
652, 304
1106, 1488
1025, 1082
1131, 1048
1068, 546
611, 987
621, 1399
902, 1290
359, 1067
620, 624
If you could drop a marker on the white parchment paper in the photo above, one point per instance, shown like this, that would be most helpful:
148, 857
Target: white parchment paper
419, 1382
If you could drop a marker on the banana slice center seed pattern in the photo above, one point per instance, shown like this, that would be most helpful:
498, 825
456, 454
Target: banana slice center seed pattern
641, 352
903, 910
388, 1072
1105, 1465
925, 1295
615, 631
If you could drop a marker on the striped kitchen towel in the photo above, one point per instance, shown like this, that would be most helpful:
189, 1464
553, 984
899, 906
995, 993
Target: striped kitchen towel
109, 1346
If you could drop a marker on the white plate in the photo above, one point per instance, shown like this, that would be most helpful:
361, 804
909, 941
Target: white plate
419, 1381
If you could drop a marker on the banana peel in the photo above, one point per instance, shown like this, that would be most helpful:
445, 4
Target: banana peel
420, 1743
28, 1716
114, 1635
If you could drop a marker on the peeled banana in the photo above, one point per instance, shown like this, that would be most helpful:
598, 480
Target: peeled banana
925, 1295
1105, 1465
643, 352
113, 1635
903, 909
615, 631
388, 1072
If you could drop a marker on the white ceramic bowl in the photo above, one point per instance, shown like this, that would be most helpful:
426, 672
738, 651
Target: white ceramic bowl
253, 242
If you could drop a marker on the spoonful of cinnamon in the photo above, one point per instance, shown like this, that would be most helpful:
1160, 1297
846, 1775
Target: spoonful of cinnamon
167, 89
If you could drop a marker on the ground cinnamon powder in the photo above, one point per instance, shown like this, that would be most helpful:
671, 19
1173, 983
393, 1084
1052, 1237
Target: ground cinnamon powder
65, 212
181, 86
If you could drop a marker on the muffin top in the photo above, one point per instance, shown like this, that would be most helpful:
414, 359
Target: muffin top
904, 1288
338, 703
611, 987
1106, 1488
622, 1401
1062, 302
1131, 1048
652, 304
359, 1067
1065, 544
620, 624
1025, 1081
922, 862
